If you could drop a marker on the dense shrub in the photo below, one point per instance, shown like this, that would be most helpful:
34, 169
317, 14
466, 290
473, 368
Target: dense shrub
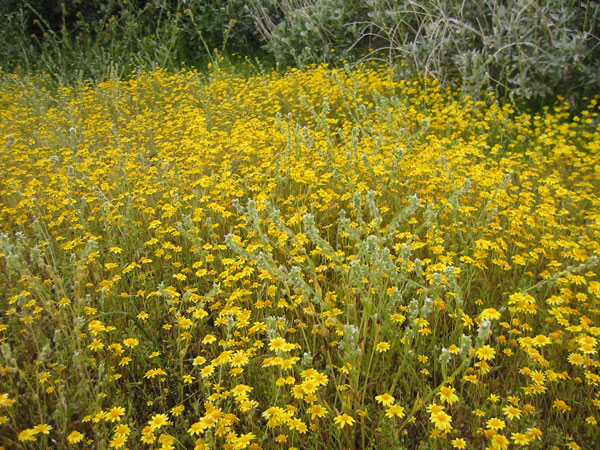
89, 40
309, 31
521, 48
528, 48
73, 39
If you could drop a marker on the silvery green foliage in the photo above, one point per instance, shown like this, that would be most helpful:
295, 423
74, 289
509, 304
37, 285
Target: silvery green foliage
306, 31
528, 48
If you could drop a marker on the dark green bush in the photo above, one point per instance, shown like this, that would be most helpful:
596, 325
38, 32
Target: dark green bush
75, 39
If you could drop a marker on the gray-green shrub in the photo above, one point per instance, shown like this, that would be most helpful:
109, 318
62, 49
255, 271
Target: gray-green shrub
308, 31
526, 48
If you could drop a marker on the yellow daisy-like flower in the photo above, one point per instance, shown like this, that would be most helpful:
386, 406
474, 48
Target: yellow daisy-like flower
520, 438
198, 361
459, 443
131, 342
382, 347
398, 318
75, 437
385, 399
441, 421
395, 411
277, 344
317, 411
5, 401
561, 405
512, 412
495, 424
500, 442
447, 395
122, 430
118, 442
148, 438
486, 353
187, 379
177, 410
298, 425
344, 419
157, 421
26, 435
196, 428
114, 415
489, 314
209, 339
96, 345
42, 428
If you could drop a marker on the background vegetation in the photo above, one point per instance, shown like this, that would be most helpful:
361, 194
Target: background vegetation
523, 48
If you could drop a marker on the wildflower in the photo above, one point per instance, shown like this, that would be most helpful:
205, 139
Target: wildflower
447, 395
398, 318
244, 440
115, 414
493, 398
298, 425
96, 345
486, 353
395, 410
317, 411
511, 412
148, 438
187, 379
131, 342
209, 339
44, 377
118, 442
385, 399
26, 435
495, 424
157, 421
499, 442
520, 439
489, 314
537, 377
459, 443
5, 401
75, 437
343, 420
198, 361
277, 344
441, 420
207, 371
196, 428
42, 428
561, 405
122, 430
434, 408
125, 360
576, 359
177, 410
382, 347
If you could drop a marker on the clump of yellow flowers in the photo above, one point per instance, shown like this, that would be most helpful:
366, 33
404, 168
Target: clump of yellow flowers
325, 258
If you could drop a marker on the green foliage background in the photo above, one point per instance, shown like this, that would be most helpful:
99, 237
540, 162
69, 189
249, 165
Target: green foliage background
528, 49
